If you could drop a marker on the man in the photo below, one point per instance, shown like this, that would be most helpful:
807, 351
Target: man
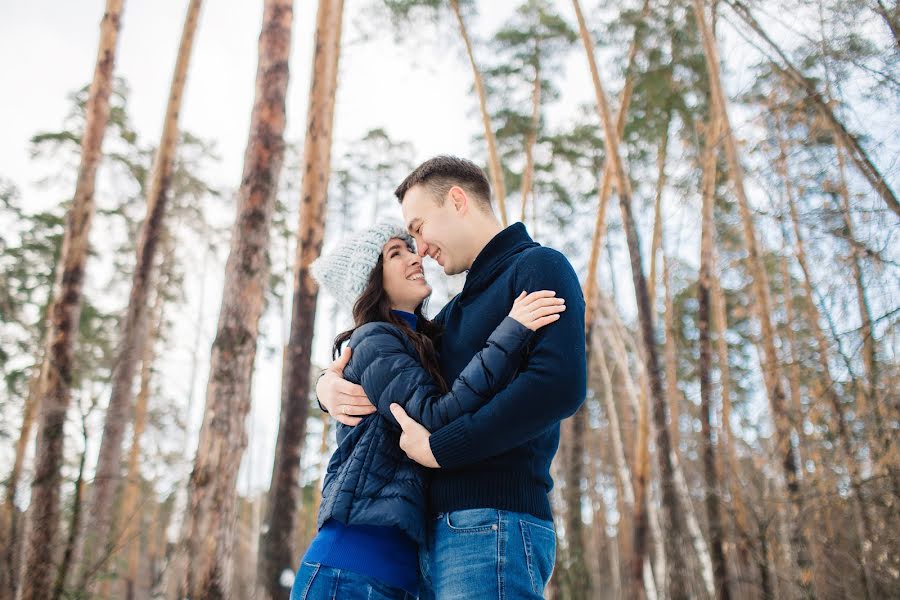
491, 535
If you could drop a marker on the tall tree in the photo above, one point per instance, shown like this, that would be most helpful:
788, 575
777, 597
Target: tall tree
762, 305
130, 512
210, 519
277, 552
671, 503
495, 169
98, 524
53, 398
704, 313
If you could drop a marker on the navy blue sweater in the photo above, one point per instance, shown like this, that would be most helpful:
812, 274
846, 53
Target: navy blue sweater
499, 456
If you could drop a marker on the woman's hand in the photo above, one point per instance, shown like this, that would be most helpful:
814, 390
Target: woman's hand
537, 309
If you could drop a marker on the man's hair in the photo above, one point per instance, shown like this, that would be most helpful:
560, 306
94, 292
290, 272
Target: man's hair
441, 173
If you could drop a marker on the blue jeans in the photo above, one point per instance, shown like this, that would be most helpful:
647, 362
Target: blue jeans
487, 554
318, 582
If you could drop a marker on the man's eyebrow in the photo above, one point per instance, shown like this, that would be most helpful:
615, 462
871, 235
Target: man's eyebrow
412, 224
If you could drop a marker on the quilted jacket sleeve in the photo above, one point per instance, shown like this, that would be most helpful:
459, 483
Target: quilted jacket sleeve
389, 370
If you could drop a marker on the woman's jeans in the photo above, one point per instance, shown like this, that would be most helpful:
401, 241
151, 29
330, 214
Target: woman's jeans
318, 582
486, 554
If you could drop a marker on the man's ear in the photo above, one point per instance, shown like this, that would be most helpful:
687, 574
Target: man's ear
460, 199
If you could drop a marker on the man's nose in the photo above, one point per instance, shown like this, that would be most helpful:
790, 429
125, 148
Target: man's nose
421, 248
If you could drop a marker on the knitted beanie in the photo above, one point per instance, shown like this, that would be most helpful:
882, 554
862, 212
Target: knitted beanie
344, 271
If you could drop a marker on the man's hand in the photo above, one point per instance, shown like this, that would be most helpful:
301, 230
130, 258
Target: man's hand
345, 401
414, 439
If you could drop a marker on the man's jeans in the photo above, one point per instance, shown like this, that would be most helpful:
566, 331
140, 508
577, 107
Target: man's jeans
486, 553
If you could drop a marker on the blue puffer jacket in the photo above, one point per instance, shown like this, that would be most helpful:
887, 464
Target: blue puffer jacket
370, 481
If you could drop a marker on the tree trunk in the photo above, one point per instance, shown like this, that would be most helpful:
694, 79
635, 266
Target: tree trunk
277, 553
646, 515
130, 516
867, 330
210, 518
65, 564
495, 168
528, 173
843, 137
175, 562
12, 552
670, 352
671, 505
54, 395
656, 242
98, 524
704, 365
845, 445
590, 288
730, 468
762, 307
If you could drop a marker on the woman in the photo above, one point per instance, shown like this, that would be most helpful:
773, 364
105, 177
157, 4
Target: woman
372, 515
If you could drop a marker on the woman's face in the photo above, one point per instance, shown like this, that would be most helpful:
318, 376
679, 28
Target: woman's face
403, 277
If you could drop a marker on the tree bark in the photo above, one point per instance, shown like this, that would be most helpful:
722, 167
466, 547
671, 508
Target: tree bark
130, 516
12, 553
671, 505
210, 518
495, 168
528, 173
276, 547
762, 307
704, 365
98, 525
75, 520
53, 398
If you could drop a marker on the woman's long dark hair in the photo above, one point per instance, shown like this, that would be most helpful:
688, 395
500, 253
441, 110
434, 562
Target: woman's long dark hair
374, 305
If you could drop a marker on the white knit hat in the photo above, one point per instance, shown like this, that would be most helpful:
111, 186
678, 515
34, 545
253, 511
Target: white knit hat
345, 270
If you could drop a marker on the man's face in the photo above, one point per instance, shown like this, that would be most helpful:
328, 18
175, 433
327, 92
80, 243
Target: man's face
439, 230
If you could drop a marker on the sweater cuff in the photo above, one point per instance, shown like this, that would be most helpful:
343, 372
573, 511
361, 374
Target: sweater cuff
451, 445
